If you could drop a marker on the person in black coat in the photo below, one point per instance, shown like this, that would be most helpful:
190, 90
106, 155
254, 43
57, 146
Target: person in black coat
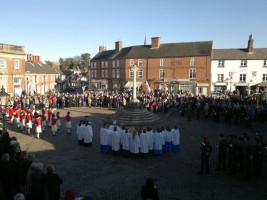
205, 149
52, 182
149, 190
37, 182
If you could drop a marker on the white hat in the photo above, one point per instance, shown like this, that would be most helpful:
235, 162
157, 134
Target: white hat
114, 122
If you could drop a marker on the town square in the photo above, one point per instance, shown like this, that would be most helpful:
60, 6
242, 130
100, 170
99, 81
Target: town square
129, 100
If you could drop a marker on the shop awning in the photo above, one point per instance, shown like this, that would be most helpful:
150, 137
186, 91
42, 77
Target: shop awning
129, 84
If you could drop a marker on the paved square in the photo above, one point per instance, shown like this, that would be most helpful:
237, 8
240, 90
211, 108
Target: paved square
107, 177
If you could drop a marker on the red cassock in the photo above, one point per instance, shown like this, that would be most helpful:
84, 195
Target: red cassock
38, 122
43, 117
22, 117
17, 114
54, 121
49, 114
19, 106
28, 118
67, 118
58, 117
11, 113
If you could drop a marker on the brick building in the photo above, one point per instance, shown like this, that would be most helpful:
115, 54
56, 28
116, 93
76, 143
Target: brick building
179, 66
40, 78
12, 68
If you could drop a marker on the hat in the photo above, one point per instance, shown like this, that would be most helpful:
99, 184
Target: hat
204, 137
114, 122
69, 194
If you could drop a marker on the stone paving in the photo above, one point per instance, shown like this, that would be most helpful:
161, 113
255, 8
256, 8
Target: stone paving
107, 177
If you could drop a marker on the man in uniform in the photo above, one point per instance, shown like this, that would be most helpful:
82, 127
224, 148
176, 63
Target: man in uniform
205, 149
223, 145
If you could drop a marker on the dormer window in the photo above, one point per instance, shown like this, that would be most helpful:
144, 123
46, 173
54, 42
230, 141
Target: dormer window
243, 63
221, 63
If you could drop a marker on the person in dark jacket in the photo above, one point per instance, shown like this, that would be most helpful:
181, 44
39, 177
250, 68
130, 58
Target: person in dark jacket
149, 190
222, 154
37, 182
205, 150
52, 182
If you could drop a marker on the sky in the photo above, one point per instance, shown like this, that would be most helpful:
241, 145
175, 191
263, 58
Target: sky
68, 28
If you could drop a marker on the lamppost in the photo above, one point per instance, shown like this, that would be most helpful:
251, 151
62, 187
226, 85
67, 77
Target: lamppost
4, 99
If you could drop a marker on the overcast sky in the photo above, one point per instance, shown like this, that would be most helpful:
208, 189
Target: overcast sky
67, 28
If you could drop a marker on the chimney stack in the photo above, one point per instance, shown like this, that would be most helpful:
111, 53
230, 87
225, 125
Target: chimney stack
102, 48
155, 42
34, 59
118, 46
250, 44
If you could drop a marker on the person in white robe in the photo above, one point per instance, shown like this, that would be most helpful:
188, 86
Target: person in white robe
115, 141
134, 143
175, 139
111, 127
144, 143
80, 132
168, 139
150, 133
104, 139
125, 142
158, 142
88, 135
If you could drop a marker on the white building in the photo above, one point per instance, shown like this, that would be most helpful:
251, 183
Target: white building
239, 69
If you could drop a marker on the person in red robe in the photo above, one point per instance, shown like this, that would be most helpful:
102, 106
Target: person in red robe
38, 127
68, 122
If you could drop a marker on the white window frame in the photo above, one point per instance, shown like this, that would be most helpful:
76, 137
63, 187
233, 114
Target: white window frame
264, 77
45, 78
161, 73
106, 73
131, 73
102, 73
193, 62
17, 82
3, 63
102, 64
192, 73
4, 83
118, 73
106, 64
242, 77
140, 73
243, 63
140, 62
95, 64
220, 63
92, 73
162, 62
16, 64
118, 63
131, 62
220, 78
113, 73
95, 73
113, 63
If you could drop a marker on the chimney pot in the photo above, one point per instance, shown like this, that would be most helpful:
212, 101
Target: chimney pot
102, 48
118, 46
155, 42
250, 44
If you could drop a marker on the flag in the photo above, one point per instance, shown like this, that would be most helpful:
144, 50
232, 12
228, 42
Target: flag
165, 87
148, 89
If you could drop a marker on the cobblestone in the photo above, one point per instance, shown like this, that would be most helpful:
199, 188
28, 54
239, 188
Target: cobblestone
107, 177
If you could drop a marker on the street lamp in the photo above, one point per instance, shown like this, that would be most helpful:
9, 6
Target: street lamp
4, 96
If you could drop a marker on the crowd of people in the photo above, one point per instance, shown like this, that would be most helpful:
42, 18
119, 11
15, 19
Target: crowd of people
138, 143
239, 155
20, 174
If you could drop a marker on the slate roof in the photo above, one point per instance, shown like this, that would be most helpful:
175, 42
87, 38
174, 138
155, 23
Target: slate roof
164, 50
36, 68
239, 54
